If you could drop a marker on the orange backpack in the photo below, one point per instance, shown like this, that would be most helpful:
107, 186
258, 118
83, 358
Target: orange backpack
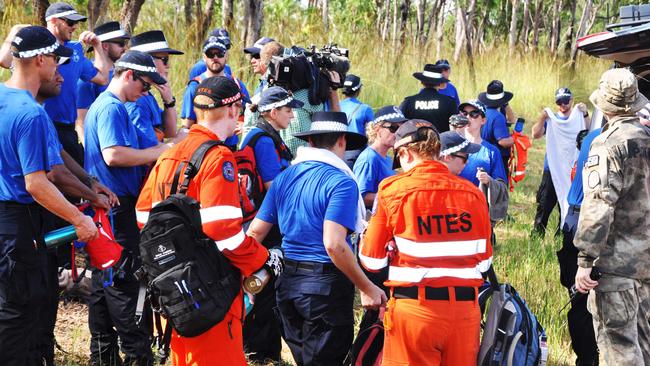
518, 159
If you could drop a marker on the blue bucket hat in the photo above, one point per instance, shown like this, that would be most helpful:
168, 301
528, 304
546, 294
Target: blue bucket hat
389, 113
276, 97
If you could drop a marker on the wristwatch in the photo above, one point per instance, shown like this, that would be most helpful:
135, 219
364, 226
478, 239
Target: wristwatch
171, 104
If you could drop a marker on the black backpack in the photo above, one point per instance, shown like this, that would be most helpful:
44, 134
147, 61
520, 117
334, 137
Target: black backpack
188, 280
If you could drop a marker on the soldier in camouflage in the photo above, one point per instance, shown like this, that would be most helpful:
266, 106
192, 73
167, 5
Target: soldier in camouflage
614, 227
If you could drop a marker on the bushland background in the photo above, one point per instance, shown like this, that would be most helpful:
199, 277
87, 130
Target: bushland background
527, 44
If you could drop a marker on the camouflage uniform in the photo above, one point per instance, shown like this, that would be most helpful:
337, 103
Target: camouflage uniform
614, 235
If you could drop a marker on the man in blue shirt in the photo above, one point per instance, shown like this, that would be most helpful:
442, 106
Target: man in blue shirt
25, 159
358, 113
495, 130
312, 201
114, 40
448, 88
200, 67
114, 155
152, 123
215, 55
62, 20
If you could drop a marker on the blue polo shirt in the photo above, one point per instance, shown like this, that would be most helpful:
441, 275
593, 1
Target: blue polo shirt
300, 199
358, 114
488, 158
576, 192
187, 112
199, 68
88, 91
450, 91
54, 147
495, 129
269, 163
23, 142
107, 124
370, 169
145, 114
63, 108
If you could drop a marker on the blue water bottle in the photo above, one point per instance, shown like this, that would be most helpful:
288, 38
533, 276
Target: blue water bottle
519, 125
64, 235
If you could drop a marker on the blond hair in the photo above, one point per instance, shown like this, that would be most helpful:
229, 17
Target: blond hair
427, 149
371, 132
269, 50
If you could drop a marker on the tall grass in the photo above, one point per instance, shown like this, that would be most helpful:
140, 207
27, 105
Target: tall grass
529, 264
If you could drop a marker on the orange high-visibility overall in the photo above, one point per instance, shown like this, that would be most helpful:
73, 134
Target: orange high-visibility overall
215, 187
441, 228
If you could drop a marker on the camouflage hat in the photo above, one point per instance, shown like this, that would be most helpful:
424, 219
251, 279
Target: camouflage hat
618, 93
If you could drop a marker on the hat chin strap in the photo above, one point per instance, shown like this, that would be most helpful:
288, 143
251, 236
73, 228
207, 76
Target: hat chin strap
495, 96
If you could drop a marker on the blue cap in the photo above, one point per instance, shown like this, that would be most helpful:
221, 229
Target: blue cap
389, 113
443, 64
452, 142
142, 63
473, 103
36, 40
223, 36
257, 46
276, 97
214, 42
563, 93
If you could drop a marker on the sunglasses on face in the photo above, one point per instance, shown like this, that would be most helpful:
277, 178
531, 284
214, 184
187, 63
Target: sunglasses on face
391, 127
56, 58
461, 156
145, 85
255, 56
215, 53
70, 23
473, 113
164, 59
563, 101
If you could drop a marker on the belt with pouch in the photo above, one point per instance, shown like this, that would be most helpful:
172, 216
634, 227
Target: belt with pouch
436, 293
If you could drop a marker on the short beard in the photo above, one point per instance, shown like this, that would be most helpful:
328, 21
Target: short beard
219, 70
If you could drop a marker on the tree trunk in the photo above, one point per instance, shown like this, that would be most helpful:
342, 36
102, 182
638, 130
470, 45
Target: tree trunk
325, 14
526, 25
586, 13
384, 30
40, 6
95, 12
468, 42
555, 28
440, 27
512, 34
187, 12
478, 36
459, 31
206, 19
538, 12
129, 14
420, 6
395, 21
431, 21
404, 17
227, 13
570, 31
253, 20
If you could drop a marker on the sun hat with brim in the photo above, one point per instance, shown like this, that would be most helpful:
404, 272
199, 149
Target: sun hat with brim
431, 75
409, 132
452, 142
222, 90
151, 42
256, 48
389, 113
333, 122
618, 93
474, 104
109, 31
495, 96
277, 97
142, 63
63, 11
36, 40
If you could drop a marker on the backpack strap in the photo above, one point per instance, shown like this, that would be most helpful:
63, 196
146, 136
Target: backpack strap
192, 166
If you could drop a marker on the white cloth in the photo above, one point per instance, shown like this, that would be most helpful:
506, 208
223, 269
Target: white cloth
305, 153
562, 152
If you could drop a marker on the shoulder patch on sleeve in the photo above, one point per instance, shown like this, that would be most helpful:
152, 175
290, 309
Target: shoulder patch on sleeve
592, 160
228, 171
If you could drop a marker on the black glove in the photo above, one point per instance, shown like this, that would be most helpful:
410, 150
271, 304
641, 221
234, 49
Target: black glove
275, 263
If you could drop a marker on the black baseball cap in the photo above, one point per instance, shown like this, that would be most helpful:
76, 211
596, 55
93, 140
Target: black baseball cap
563, 94
223, 36
214, 42
256, 48
36, 40
222, 90
142, 63
452, 142
63, 11
409, 132
443, 64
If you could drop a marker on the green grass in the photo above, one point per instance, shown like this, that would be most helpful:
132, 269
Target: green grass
530, 265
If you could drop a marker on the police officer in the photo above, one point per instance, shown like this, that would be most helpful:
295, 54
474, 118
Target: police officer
152, 123
218, 104
114, 41
62, 20
432, 317
215, 56
613, 226
24, 157
113, 154
429, 104
317, 204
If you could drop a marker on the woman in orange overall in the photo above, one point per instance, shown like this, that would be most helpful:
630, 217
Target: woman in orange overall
441, 231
